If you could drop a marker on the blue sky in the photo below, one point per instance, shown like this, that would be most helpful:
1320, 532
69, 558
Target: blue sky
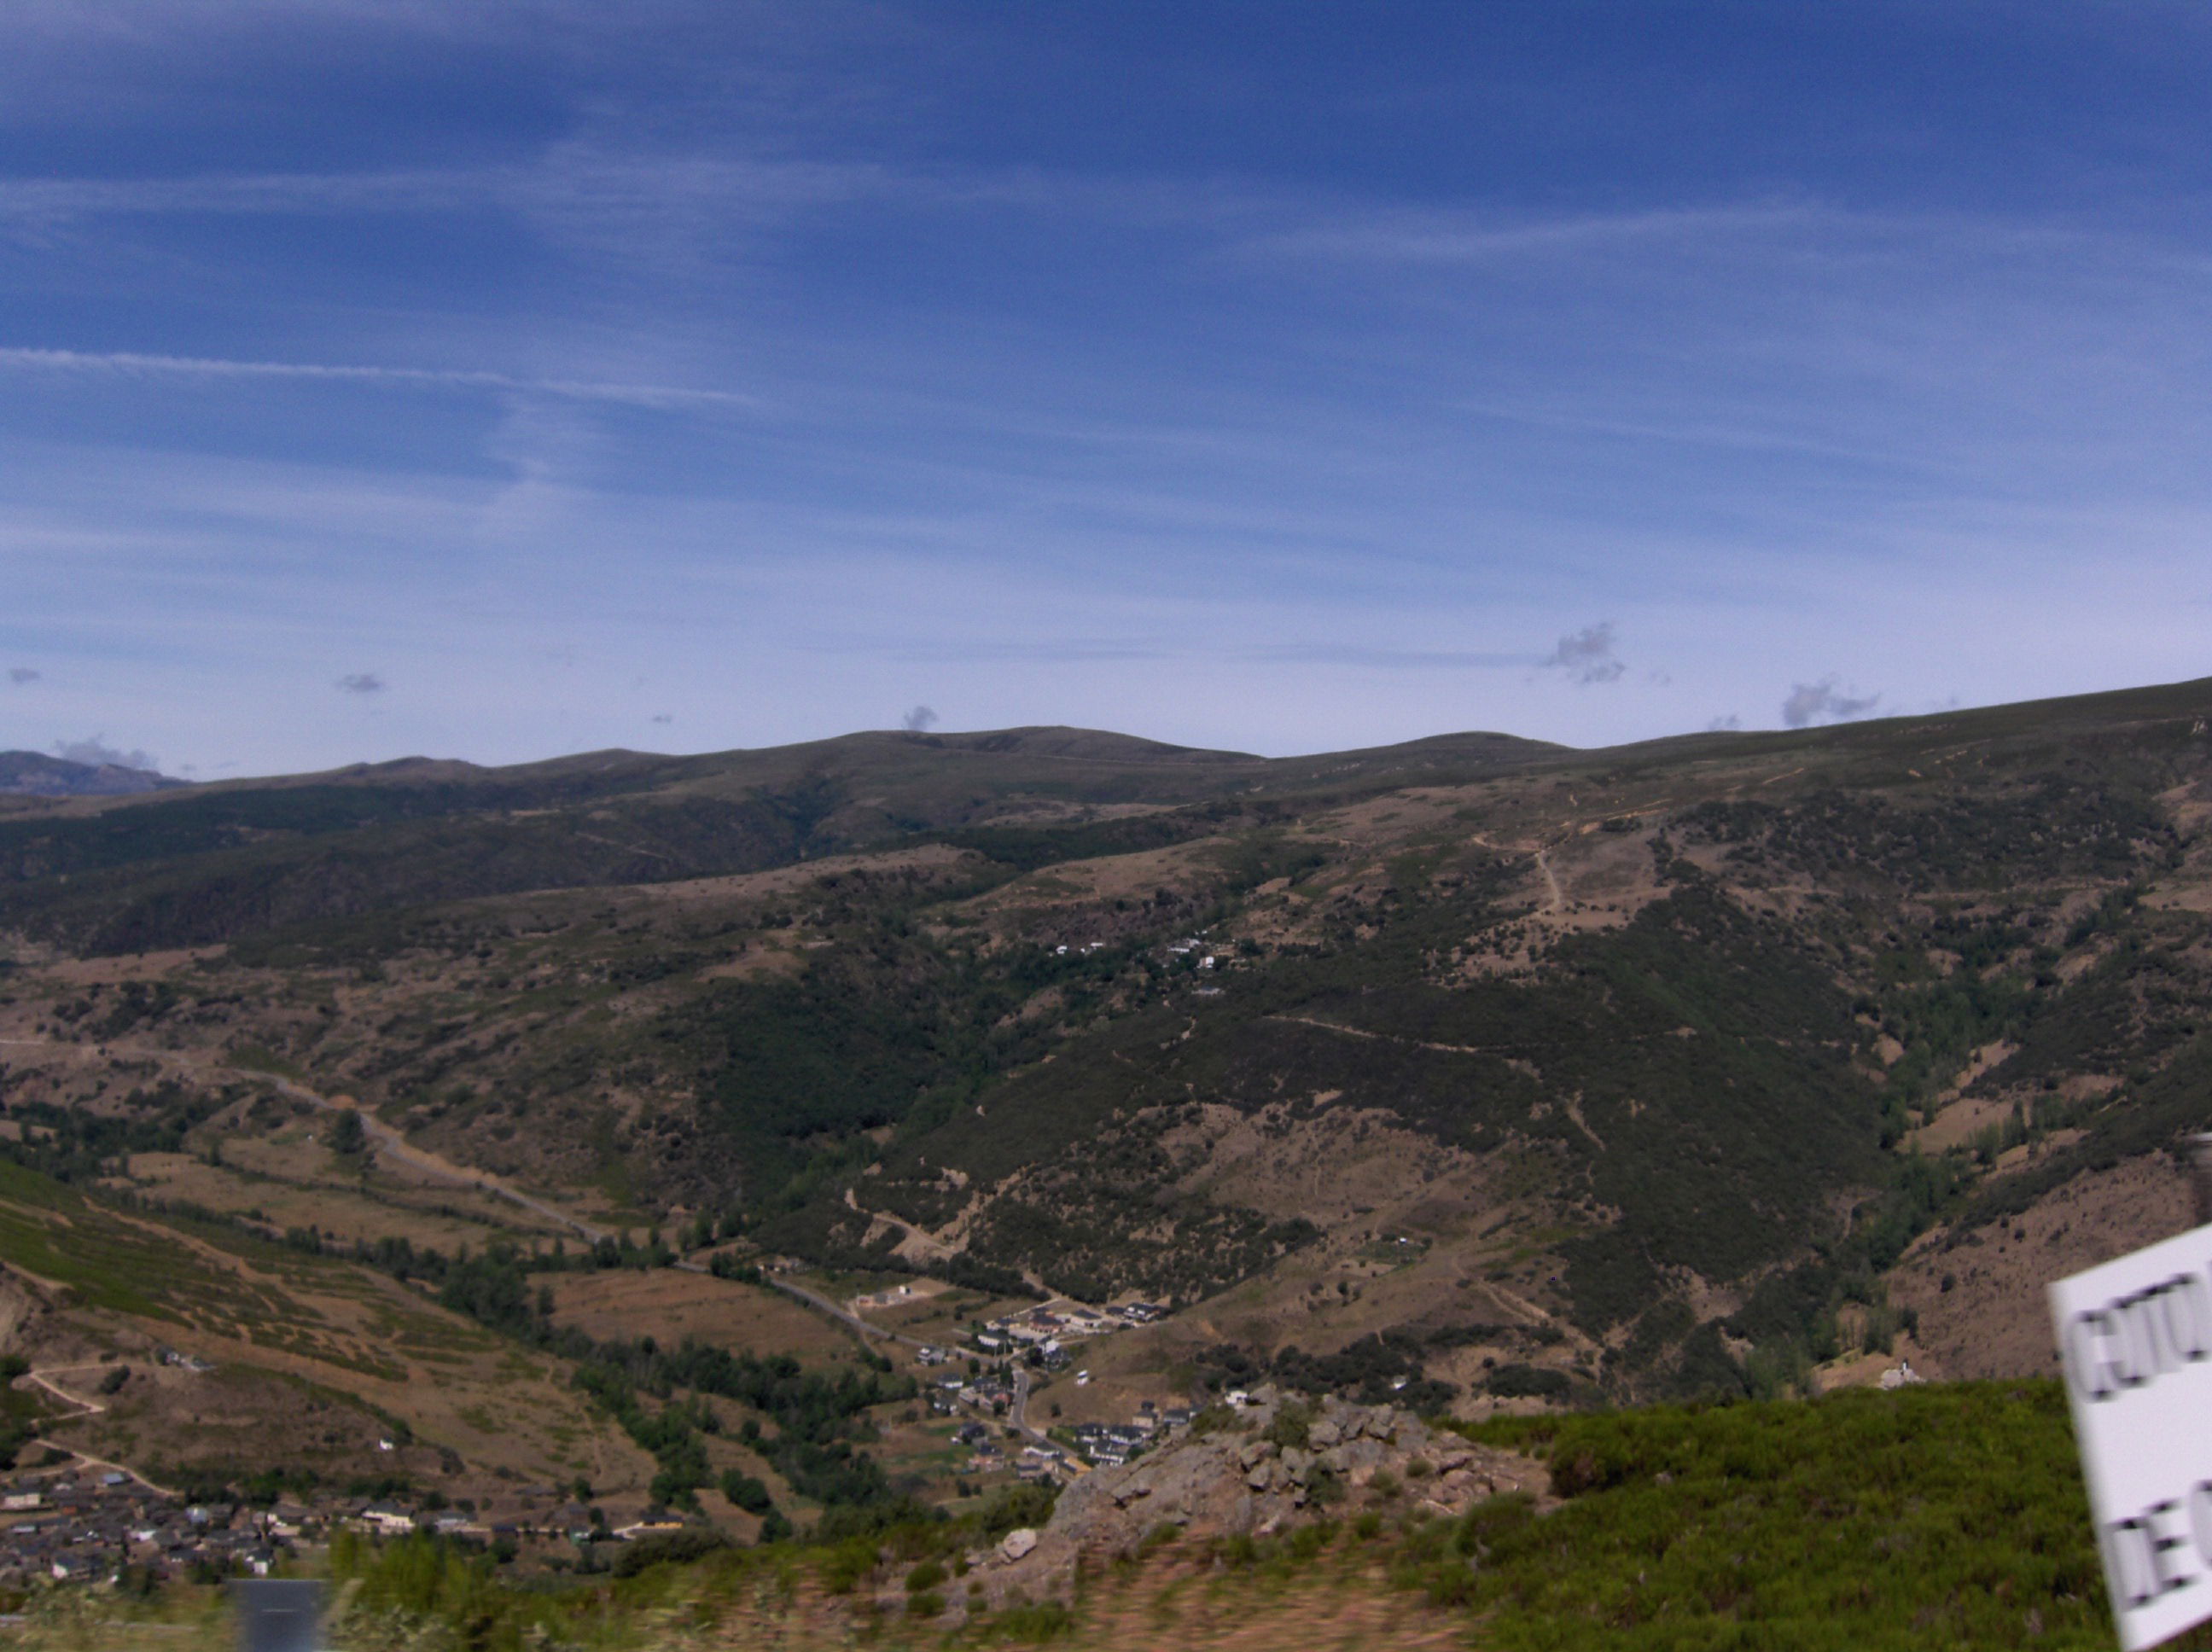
496, 380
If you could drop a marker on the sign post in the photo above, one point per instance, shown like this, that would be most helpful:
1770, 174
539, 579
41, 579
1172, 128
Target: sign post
278, 1614
2134, 1337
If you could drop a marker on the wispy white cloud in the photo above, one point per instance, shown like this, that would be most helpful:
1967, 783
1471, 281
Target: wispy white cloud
636, 207
601, 187
1384, 656
127, 362
44, 202
1468, 237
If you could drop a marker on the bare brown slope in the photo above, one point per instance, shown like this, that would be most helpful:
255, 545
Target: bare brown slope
1980, 1293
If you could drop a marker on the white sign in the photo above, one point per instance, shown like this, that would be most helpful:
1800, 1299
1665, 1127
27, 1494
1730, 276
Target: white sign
2136, 1338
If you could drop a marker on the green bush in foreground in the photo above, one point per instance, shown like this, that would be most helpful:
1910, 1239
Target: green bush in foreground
1949, 1515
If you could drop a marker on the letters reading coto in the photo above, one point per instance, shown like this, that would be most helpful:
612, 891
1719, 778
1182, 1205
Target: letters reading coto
2133, 1340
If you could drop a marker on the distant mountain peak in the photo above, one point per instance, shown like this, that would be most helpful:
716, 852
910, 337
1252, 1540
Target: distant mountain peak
35, 775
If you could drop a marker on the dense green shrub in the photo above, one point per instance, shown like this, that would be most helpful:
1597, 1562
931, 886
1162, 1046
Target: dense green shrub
1947, 1515
666, 1548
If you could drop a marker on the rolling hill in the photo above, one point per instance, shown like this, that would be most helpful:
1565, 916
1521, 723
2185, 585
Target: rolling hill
1530, 1073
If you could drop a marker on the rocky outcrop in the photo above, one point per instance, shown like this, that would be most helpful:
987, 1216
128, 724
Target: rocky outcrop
1270, 1465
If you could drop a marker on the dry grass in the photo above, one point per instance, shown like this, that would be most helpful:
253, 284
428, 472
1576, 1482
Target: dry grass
669, 1305
1183, 868
342, 1211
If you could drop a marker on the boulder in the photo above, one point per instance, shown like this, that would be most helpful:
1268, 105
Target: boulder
1358, 1458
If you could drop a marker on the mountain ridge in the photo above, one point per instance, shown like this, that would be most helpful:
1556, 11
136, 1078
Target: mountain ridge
1541, 1076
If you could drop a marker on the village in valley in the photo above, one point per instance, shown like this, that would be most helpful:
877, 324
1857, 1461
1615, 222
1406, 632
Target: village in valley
76, 1518
1004, 1352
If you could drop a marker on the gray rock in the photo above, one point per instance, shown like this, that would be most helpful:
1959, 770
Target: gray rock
1017, 1542
1359, 1456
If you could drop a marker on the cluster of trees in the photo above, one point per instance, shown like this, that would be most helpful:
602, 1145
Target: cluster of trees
259, 866
73, 1145
818, 1421
1381, 1368
1384, 1367
19, 1424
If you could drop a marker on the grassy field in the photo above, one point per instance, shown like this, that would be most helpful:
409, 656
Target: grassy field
110, 1262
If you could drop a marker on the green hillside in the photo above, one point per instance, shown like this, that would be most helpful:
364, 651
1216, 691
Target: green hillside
1661, 1056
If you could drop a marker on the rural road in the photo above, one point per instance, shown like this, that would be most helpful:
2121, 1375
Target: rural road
44, 1378
1551, 879
1018, 1415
